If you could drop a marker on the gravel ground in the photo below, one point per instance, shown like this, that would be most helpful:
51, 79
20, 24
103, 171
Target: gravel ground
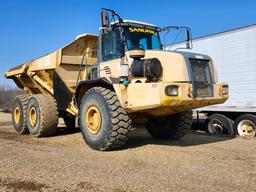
197, 162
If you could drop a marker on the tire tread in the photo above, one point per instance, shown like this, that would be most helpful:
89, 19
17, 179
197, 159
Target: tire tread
121, 122
24, 102
49, 115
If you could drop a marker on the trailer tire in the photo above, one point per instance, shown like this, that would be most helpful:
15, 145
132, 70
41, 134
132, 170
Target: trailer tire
103, 122
170, 127
42, 114
245, 125
219, 124
19, 113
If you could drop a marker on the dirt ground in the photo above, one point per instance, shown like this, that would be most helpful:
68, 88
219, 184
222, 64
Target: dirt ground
197, 162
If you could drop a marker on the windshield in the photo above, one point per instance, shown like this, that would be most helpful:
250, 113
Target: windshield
137, 37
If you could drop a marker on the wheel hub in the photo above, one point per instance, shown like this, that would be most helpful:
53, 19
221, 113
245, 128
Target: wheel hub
215, 126
32, 116
247, 128
93, 120
17, 115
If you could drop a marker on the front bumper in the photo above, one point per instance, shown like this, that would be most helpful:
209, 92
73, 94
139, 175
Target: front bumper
152, 99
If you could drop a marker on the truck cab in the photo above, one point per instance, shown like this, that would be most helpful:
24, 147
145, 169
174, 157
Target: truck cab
146, 77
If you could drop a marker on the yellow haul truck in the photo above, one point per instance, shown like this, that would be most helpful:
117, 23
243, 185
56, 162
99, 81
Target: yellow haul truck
122, 77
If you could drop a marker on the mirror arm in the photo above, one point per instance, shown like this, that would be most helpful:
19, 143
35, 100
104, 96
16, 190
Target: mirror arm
120, 20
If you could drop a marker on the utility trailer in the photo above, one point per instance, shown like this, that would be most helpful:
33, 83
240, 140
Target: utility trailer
234, 53
122, 77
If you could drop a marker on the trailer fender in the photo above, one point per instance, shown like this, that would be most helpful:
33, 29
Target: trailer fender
84, 86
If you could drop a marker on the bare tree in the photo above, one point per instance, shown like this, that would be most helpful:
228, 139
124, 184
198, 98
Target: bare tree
7, 96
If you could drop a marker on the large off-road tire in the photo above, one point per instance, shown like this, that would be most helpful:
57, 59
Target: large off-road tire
219, 124
19, 113
42, 115
103, 122
170, 127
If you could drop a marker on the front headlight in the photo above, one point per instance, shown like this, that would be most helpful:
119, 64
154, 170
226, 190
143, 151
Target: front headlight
172, 90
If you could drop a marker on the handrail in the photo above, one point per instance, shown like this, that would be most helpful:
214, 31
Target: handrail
86, 65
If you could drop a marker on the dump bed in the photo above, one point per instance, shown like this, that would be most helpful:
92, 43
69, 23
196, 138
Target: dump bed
57, 73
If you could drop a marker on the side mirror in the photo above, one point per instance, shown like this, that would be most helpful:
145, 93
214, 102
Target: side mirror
188, 39
104, 18
188, 35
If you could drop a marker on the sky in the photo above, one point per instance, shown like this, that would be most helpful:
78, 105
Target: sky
32, 28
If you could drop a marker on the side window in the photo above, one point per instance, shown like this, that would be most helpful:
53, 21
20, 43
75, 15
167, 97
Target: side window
155, 42
111, 46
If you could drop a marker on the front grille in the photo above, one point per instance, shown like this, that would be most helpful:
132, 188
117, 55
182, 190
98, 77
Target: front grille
201, 77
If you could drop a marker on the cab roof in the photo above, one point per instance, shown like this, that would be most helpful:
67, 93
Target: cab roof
135, 22
138, 22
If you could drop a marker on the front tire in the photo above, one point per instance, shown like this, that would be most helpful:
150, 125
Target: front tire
170, 127
103, 122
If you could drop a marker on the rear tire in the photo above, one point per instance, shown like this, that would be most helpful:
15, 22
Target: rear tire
19, 113
220, 125
170, 127
245, 125
103, 122
42, 115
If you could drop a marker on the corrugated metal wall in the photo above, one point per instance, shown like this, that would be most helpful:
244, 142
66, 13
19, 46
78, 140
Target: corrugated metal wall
234, 54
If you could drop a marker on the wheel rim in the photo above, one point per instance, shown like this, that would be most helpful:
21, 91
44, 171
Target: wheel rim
246, 128
16, 115
215, 127
32, 116
93, 120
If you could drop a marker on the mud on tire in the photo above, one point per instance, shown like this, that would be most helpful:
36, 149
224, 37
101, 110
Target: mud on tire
170, 127
114, 120
19, 114
42, 115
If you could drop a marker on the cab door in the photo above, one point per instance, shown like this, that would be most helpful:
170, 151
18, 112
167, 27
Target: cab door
111, 53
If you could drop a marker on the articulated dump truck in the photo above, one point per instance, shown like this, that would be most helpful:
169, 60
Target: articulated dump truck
122, 77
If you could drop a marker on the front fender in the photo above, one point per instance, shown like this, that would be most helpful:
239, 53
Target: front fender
84, 86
